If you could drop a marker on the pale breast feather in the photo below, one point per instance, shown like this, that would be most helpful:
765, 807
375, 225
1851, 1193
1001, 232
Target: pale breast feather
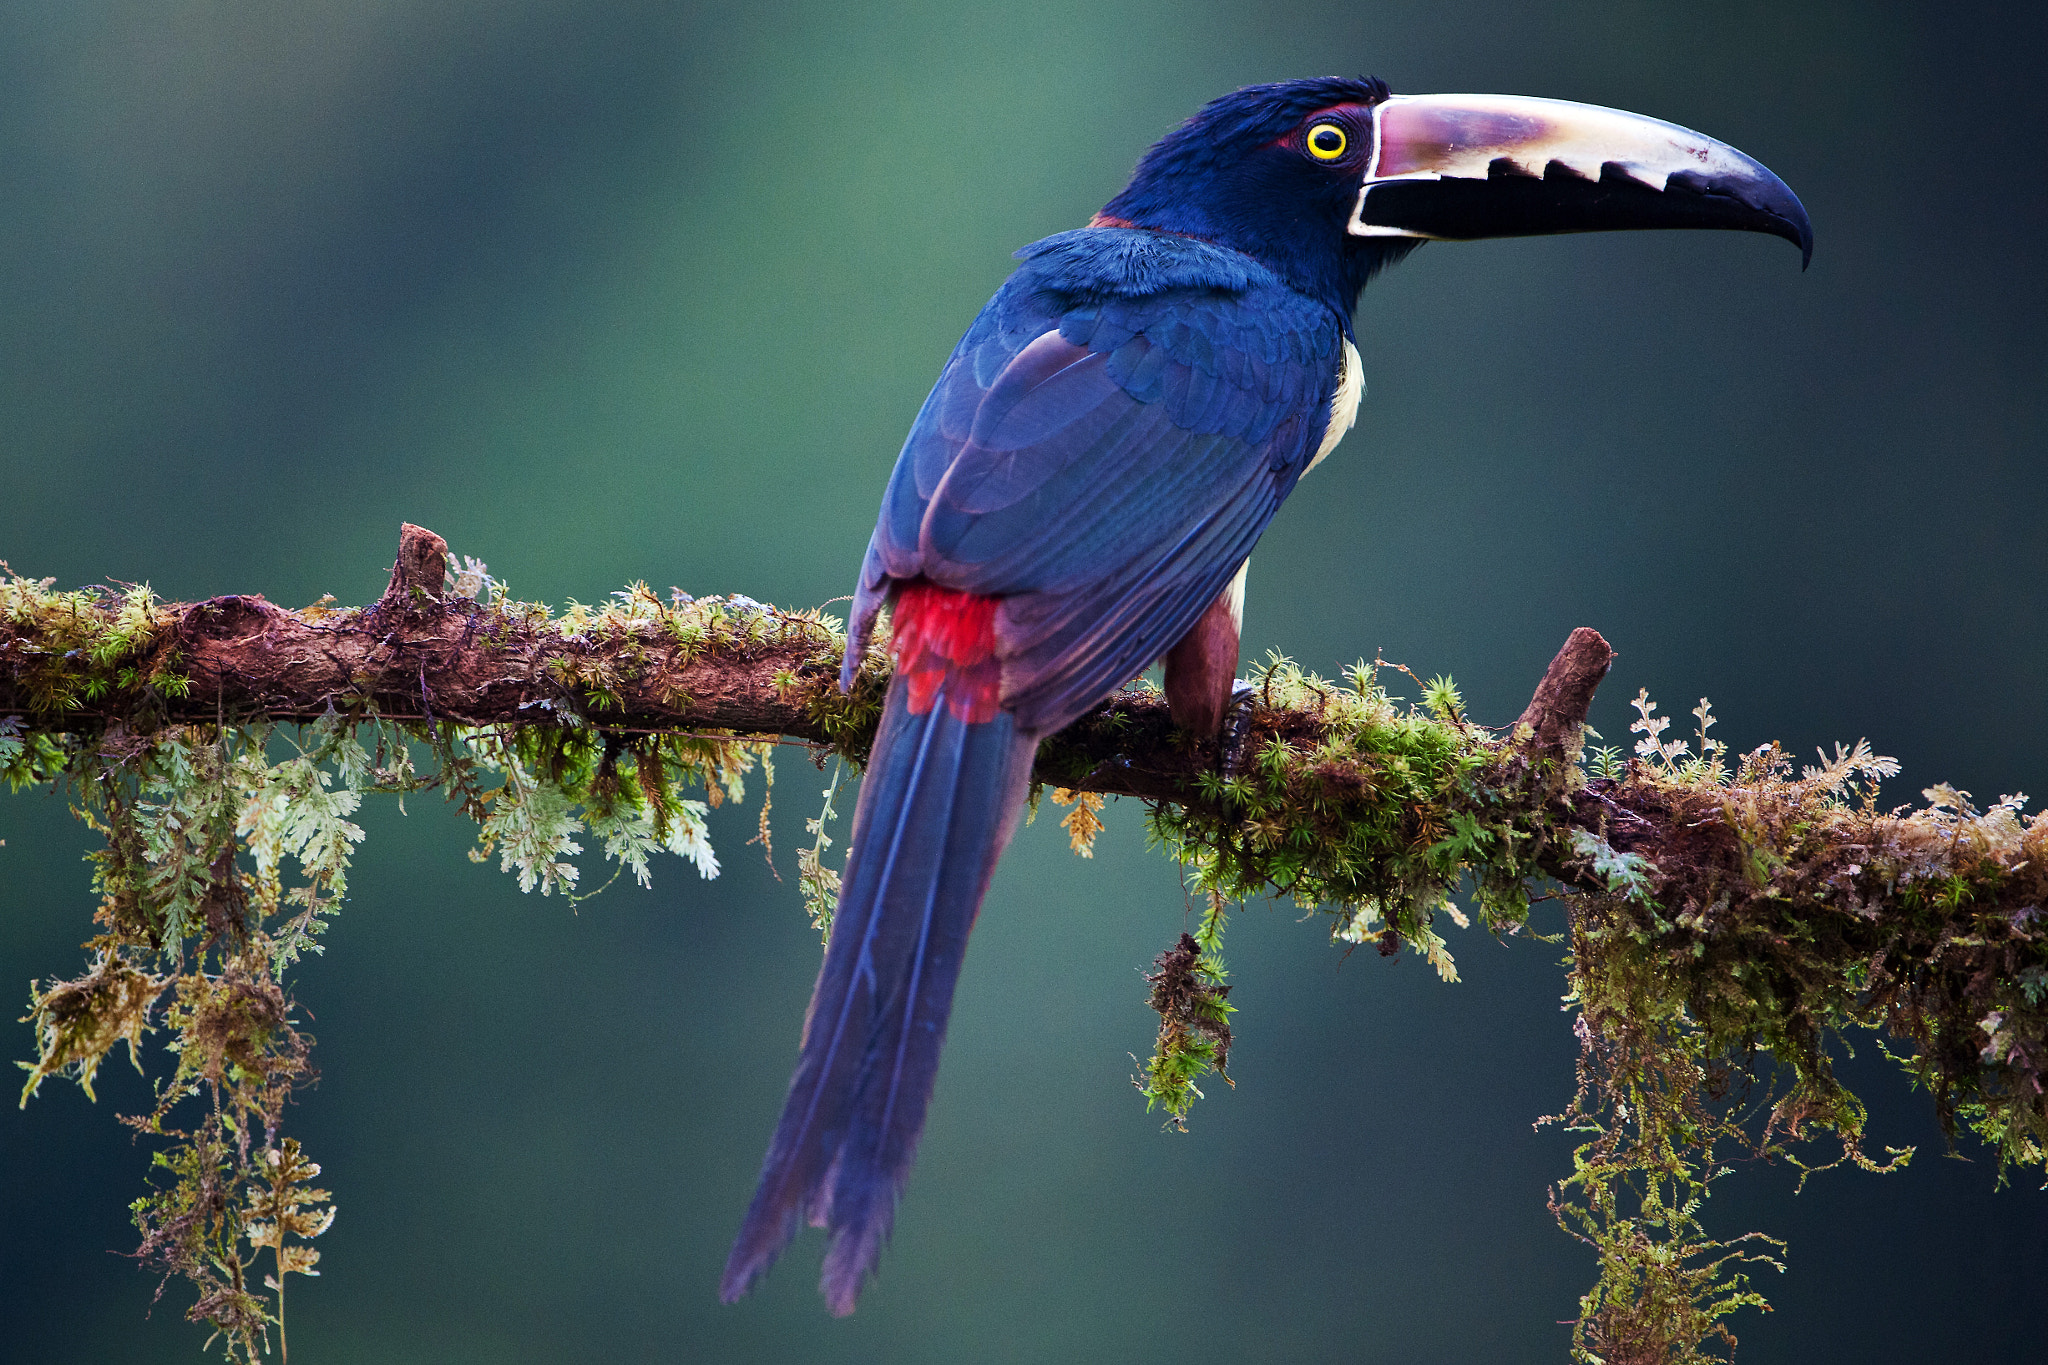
1343, 404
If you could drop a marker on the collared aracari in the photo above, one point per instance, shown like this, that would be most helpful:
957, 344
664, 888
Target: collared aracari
1079, 497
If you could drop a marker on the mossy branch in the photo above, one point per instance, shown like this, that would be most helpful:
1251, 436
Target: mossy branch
429, 652
1728, 920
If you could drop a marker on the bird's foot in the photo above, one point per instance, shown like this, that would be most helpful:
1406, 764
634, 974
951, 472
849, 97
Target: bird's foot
1236, 729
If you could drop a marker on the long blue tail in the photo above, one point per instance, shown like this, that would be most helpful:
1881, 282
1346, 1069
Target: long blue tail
939, 802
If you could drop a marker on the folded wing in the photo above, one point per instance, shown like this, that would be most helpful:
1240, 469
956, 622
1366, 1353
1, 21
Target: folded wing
1103, 464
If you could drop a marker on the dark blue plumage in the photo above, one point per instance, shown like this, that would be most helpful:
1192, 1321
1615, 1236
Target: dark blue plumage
1113, 498
1105, 496
929, 827
1089, 475
1205, 179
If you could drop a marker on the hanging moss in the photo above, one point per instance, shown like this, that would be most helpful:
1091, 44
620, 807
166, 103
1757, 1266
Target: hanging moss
226, 851
1780, 915
1730, 923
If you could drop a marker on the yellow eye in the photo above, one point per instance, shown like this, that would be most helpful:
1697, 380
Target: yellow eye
1326, 142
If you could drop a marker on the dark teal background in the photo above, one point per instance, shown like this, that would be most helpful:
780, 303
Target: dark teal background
626, 290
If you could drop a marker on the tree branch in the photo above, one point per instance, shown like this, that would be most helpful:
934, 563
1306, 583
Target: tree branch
641, 664
1721, 911
733, 665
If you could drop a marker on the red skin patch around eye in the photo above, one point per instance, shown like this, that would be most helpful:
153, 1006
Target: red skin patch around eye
1357, 116
945, 641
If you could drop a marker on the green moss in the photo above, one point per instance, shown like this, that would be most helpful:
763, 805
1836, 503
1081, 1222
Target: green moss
226, 851
1774, 917
1370, 811
1718, 983
1191, 997
68, 649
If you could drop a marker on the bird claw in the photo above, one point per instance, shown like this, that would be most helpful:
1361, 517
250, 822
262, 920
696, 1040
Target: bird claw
1237, 728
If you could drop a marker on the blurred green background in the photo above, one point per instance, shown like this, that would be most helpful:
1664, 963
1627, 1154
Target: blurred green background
624, 290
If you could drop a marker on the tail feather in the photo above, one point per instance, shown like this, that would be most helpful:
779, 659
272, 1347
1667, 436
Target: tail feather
939, 803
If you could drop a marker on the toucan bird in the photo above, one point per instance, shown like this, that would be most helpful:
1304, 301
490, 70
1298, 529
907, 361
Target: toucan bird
1079, 497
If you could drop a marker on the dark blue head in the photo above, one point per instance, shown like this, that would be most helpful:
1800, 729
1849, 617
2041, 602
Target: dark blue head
1273, 171
1325, 181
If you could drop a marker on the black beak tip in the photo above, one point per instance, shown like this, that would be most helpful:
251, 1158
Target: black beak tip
1800, 235
1789, 214
1757, 201
1800, 232
1782, 215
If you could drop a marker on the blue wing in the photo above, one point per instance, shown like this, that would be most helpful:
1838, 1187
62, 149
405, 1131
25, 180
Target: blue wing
1102, 451
1100, 454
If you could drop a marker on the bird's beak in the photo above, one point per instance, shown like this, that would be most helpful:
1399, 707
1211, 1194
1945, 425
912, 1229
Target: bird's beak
1461, 167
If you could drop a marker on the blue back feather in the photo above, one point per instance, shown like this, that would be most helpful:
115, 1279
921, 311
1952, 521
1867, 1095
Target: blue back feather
1101, 453
1126, 483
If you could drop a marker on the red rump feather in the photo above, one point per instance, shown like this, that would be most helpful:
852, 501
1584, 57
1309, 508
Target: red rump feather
944, 638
